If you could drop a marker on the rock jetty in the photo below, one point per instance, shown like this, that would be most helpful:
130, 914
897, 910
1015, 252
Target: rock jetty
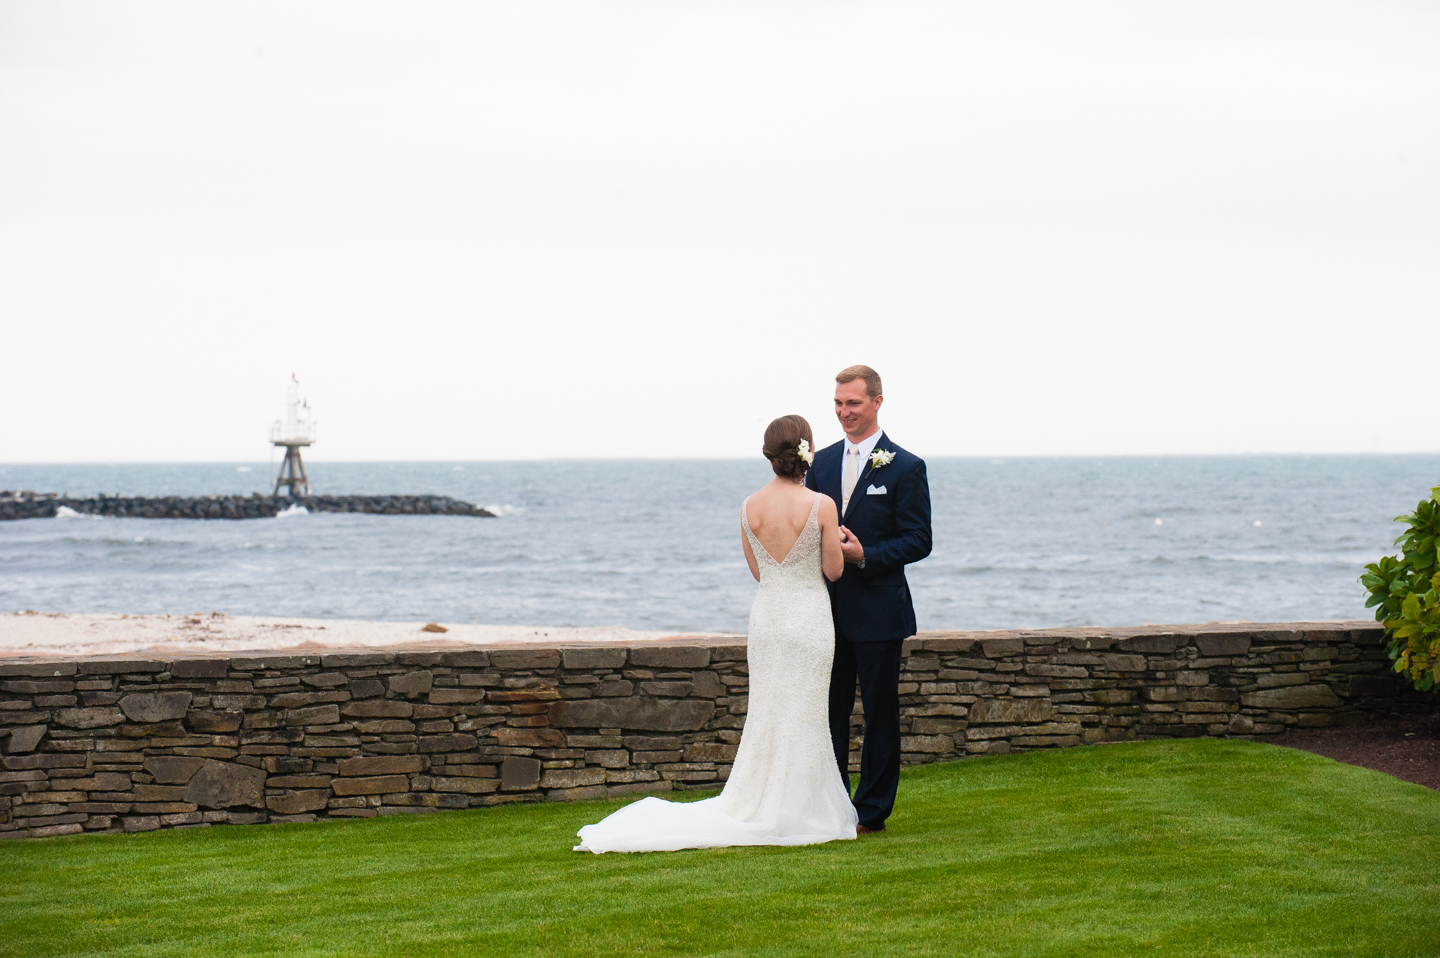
31, 505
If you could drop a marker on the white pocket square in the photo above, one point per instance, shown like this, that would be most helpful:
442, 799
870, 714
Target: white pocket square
875, 491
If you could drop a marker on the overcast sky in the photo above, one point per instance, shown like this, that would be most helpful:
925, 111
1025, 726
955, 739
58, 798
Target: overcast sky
537, 230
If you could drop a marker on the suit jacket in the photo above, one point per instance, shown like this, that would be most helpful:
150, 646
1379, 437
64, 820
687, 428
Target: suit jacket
873, 604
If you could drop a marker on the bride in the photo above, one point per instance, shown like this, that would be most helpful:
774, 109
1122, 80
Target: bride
784, 788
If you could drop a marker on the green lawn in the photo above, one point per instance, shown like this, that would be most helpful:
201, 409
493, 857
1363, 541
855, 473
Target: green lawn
1177, 848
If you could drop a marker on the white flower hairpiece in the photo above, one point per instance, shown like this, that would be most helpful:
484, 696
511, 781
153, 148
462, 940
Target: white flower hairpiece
881, 457
804, 450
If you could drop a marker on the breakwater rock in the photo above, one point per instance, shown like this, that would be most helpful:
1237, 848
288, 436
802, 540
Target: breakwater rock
30, 505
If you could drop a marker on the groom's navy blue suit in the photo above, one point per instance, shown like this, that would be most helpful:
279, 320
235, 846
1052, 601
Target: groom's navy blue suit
873, 612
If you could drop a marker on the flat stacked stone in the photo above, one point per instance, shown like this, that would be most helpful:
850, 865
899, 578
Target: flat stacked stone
978, 693
136, 743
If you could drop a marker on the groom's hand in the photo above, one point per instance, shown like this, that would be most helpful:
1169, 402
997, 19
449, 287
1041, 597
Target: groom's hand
850, 546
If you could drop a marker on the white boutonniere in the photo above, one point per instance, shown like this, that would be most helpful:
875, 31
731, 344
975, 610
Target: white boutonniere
804, 450
881, 457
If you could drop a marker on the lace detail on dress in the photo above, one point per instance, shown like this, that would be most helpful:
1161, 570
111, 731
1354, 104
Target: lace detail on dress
784, 788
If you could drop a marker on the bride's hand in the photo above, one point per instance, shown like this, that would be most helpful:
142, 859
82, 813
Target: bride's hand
850, 546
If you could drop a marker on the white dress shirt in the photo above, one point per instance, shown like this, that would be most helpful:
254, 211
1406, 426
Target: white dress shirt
861, 450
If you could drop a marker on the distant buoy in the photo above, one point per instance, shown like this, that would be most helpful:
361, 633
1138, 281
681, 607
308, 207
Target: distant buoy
1159, 522
1255, 524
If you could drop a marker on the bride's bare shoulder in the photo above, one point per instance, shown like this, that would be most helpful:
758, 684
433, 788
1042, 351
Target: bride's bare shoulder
759, 504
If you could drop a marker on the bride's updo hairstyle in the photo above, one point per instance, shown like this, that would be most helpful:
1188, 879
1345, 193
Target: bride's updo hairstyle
782, 446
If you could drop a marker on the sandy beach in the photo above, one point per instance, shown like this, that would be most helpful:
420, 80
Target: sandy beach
59, 633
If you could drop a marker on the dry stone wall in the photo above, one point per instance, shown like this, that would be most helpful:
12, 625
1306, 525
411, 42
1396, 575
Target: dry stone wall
138, 743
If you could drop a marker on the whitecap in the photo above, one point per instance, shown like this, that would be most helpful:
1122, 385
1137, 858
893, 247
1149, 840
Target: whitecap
505, 510
65, 512
294, 509
242, 468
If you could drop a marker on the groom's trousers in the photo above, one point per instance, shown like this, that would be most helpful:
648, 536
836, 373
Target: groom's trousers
876, 666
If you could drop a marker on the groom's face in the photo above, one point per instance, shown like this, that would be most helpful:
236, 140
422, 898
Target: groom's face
855, 409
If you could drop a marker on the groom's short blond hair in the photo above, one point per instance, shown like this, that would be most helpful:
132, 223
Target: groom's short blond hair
872, 379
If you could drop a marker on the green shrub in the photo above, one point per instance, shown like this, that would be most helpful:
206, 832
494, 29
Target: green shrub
1406, 589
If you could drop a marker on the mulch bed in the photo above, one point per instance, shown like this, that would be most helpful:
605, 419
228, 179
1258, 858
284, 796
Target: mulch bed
1407, 748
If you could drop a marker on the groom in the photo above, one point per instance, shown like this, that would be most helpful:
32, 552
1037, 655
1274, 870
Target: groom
883, 498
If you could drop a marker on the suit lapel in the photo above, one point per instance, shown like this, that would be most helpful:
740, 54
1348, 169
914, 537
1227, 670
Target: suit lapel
829, 487
862, 483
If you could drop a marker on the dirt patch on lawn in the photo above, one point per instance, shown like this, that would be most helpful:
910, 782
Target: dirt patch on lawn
1408, 748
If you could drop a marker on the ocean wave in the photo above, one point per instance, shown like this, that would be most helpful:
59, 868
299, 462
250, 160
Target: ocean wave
1357, 559
294, 509
65, 512
505, 510
125, 542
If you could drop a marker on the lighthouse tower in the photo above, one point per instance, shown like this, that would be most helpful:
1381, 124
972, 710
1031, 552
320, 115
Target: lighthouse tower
297, 429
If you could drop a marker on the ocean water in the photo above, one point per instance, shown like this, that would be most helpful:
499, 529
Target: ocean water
656, 545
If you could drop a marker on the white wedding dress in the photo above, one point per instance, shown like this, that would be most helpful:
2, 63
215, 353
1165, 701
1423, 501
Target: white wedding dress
784, 788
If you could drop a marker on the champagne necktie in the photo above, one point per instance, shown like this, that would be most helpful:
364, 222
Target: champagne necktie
849, 477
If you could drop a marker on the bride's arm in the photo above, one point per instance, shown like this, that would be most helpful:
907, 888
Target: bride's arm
749, 555
832, 559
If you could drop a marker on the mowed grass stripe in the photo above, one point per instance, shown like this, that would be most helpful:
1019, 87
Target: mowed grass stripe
1191, 848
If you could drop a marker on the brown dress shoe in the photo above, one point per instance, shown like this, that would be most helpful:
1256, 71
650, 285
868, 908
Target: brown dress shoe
862, 830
